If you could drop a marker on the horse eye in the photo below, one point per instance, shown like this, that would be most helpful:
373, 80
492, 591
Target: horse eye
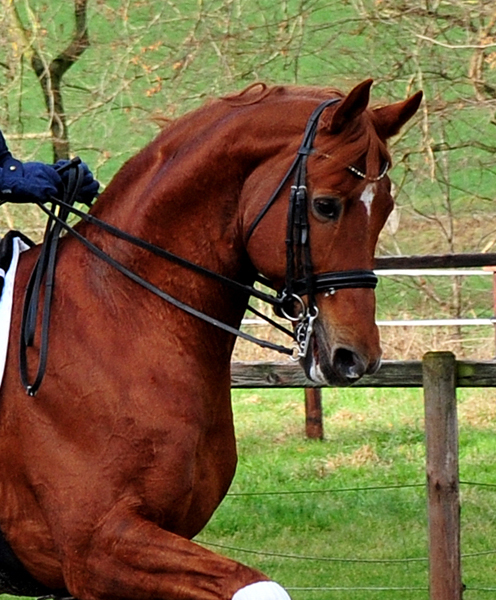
328, 207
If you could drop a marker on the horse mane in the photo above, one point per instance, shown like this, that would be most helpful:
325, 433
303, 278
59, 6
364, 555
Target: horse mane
255, 93
189, 127
259, 91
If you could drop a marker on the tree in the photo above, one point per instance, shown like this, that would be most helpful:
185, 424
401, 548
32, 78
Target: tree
50, 73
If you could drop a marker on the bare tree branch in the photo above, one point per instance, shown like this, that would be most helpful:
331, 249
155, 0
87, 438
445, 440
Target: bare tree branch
51, 78
455, 46
50, 74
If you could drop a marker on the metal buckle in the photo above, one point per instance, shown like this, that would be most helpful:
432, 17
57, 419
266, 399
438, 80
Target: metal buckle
303, 333
303, 309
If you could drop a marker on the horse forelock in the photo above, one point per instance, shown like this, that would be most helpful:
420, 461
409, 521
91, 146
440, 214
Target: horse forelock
359, 146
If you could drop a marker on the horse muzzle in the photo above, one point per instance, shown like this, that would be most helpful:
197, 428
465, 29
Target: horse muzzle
331, 361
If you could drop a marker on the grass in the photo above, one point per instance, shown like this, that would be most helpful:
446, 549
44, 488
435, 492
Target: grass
324, 512
349, 512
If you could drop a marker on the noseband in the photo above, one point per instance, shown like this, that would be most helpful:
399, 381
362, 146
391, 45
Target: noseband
300, 279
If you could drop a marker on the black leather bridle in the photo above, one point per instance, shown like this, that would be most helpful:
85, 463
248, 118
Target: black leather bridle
300, 279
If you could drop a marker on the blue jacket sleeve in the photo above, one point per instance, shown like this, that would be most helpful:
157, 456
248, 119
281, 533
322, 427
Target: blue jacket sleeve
4, 151
38, 182
28, 182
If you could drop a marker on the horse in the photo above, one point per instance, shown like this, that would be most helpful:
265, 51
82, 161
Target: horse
128, 447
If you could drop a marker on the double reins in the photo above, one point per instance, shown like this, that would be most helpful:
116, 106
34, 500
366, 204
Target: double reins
300, 280
45, 266
44, 271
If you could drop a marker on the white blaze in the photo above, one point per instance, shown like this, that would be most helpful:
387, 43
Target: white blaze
368, 196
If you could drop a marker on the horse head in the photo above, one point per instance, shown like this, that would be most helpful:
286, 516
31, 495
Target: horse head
348, 199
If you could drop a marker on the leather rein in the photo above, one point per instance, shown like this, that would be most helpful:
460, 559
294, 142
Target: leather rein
300, 280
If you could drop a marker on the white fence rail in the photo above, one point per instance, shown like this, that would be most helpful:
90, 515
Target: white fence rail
455, 322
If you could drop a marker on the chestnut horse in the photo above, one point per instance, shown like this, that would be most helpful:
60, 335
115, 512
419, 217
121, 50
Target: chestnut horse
128, 447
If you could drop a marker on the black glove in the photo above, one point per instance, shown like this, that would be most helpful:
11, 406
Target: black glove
89, 186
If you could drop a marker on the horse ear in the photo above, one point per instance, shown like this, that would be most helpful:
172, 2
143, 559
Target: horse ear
350, 107
390, 119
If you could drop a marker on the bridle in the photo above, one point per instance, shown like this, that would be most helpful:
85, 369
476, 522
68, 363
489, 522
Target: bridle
300, 280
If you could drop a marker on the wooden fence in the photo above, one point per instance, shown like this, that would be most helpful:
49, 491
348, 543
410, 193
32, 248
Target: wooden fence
439, 374
394, 374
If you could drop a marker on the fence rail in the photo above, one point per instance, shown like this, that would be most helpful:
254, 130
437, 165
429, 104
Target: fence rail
433, 261
259, 374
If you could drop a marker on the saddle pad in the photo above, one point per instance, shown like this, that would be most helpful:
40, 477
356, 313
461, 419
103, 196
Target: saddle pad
11, 247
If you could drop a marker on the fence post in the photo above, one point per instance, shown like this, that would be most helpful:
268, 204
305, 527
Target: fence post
314, 426
441, 427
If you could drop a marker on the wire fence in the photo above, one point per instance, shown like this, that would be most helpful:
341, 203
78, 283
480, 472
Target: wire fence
397, 374
306, 558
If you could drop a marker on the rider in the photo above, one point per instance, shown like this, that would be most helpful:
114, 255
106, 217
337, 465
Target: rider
35, 181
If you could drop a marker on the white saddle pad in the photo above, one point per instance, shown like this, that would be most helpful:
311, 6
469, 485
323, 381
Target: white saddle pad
7, 279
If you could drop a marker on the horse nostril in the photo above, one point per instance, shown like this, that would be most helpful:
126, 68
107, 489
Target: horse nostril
348, 364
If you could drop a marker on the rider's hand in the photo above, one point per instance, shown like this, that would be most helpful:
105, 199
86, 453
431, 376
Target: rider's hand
89, 186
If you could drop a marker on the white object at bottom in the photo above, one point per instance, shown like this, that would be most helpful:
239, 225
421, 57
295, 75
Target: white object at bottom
6, 301
262, 590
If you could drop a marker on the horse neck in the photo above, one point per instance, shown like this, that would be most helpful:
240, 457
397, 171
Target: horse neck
183, 204
183, 191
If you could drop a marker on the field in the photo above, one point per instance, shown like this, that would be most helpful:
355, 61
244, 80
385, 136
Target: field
348, 512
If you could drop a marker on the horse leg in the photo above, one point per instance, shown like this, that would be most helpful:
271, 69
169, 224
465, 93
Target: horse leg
129, 557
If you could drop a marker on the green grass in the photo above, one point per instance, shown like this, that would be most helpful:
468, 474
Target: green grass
306, 511
374, 438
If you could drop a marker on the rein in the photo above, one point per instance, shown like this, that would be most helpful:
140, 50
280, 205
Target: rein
45, 269
300, 279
